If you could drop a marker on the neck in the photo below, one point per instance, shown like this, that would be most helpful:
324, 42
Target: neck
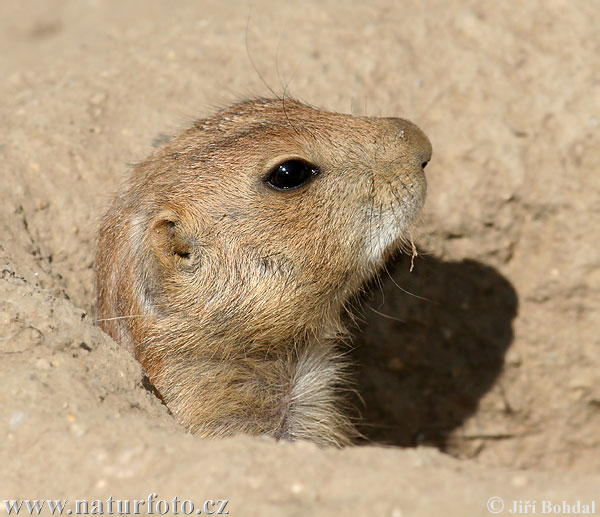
292, 394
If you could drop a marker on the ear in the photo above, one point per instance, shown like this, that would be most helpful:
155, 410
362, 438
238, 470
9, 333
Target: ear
171, 244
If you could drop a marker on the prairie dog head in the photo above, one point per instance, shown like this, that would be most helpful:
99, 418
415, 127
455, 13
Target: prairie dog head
247, 233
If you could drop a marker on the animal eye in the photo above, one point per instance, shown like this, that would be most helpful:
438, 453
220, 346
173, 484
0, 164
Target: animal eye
291, 174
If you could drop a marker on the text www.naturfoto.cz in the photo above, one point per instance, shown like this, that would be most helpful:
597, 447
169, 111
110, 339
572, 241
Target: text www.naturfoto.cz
149, 506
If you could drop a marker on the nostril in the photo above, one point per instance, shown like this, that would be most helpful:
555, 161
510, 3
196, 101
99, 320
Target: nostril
424, 164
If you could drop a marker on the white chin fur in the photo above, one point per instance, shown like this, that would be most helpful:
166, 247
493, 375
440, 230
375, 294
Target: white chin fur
384, 229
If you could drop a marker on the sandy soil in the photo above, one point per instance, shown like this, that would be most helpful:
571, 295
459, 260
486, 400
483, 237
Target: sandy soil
479, 371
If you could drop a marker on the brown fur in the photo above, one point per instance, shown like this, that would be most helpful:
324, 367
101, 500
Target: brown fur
230, 293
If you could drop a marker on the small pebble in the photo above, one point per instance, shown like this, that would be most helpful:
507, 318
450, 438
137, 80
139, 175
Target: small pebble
513, 358
43, 364
15, 420
519, 481
98, 98
78, 430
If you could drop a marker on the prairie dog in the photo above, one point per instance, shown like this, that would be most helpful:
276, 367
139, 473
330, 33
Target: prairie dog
226, 261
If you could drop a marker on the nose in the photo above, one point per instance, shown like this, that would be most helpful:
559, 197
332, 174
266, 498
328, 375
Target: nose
425, 149
412, 140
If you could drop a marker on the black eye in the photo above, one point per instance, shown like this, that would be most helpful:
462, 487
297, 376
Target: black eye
291, 174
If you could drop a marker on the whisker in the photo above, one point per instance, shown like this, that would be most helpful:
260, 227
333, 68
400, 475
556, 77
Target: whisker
121, 317
385, 315
379, 284
252, 63
404, 290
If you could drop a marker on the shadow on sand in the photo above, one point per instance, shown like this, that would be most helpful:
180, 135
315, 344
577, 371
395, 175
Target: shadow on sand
421, 374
